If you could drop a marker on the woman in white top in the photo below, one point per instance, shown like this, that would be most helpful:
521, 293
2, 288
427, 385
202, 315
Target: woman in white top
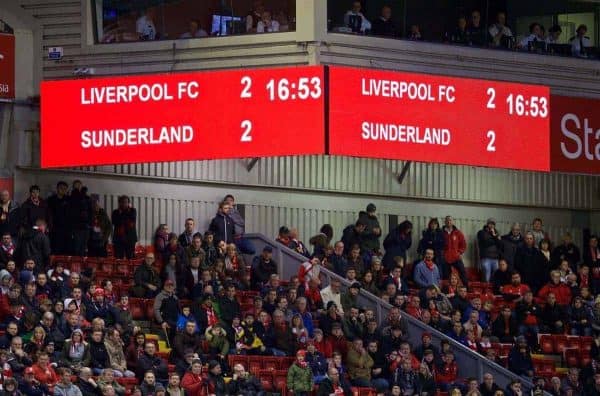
267, 24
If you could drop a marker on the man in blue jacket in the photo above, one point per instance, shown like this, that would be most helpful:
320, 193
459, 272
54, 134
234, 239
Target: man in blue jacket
426, 272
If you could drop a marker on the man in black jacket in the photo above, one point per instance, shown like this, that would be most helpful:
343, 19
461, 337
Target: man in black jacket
332, 385
216, 383
263, 267
149, 361
488, 387
490, 244
244, 384
221, 225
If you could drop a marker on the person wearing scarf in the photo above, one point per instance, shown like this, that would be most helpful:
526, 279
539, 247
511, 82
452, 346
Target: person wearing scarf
7, 249
299, 377
426, 272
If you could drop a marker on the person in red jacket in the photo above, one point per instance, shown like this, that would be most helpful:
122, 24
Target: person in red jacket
43, 372
337, 340
455, 246
447, 372
516, 290
322, 344
560, 290
192, 380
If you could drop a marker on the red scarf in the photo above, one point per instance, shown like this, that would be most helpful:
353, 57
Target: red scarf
36, 201
584, 280
302, 364
210, 316
429, 264
10, 249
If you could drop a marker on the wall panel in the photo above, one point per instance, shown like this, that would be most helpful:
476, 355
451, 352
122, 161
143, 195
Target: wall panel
377, 177
171, 202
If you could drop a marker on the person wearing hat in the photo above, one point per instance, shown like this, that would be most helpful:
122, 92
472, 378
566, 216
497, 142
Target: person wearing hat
300, 376
350, 297
97, 308
166, 308
337, 339
490, 245
353, 235
372, 233
331, 316
263, 267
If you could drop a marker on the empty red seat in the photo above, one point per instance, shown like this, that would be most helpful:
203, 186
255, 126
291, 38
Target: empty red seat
255, 365
266, 379
546, 343
271, 363
571, 357
505, 349
560, 343
280, 381
237, 359
138, 312
573, 342
586, 344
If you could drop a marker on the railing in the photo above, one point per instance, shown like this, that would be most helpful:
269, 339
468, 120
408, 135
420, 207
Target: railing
470, 364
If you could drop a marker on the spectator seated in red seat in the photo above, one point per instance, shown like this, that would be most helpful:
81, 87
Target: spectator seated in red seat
561, 291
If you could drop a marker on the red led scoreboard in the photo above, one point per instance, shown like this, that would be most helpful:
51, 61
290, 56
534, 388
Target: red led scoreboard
383, 114
295, 111
183, 116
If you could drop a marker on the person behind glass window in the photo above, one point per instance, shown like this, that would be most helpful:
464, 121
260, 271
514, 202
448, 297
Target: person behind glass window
535, 35
145, 27
500, 34
554, 34
580, 43
384, 25
195, 30
459, 35
355, 20
267, 24
476, 32
254, 16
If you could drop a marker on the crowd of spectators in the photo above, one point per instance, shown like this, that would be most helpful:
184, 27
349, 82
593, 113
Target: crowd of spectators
471, 30
65, 333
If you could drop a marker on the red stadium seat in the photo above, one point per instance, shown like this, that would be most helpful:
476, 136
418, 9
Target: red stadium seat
266, 379
586, 344
573, 342
571, 357
560, 343
255, 364
237, 359
149, 305
280, 381
505, 349
546, 343
272, 363
136, 306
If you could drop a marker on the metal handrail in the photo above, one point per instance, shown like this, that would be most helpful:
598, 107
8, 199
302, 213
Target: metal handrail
470, 363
